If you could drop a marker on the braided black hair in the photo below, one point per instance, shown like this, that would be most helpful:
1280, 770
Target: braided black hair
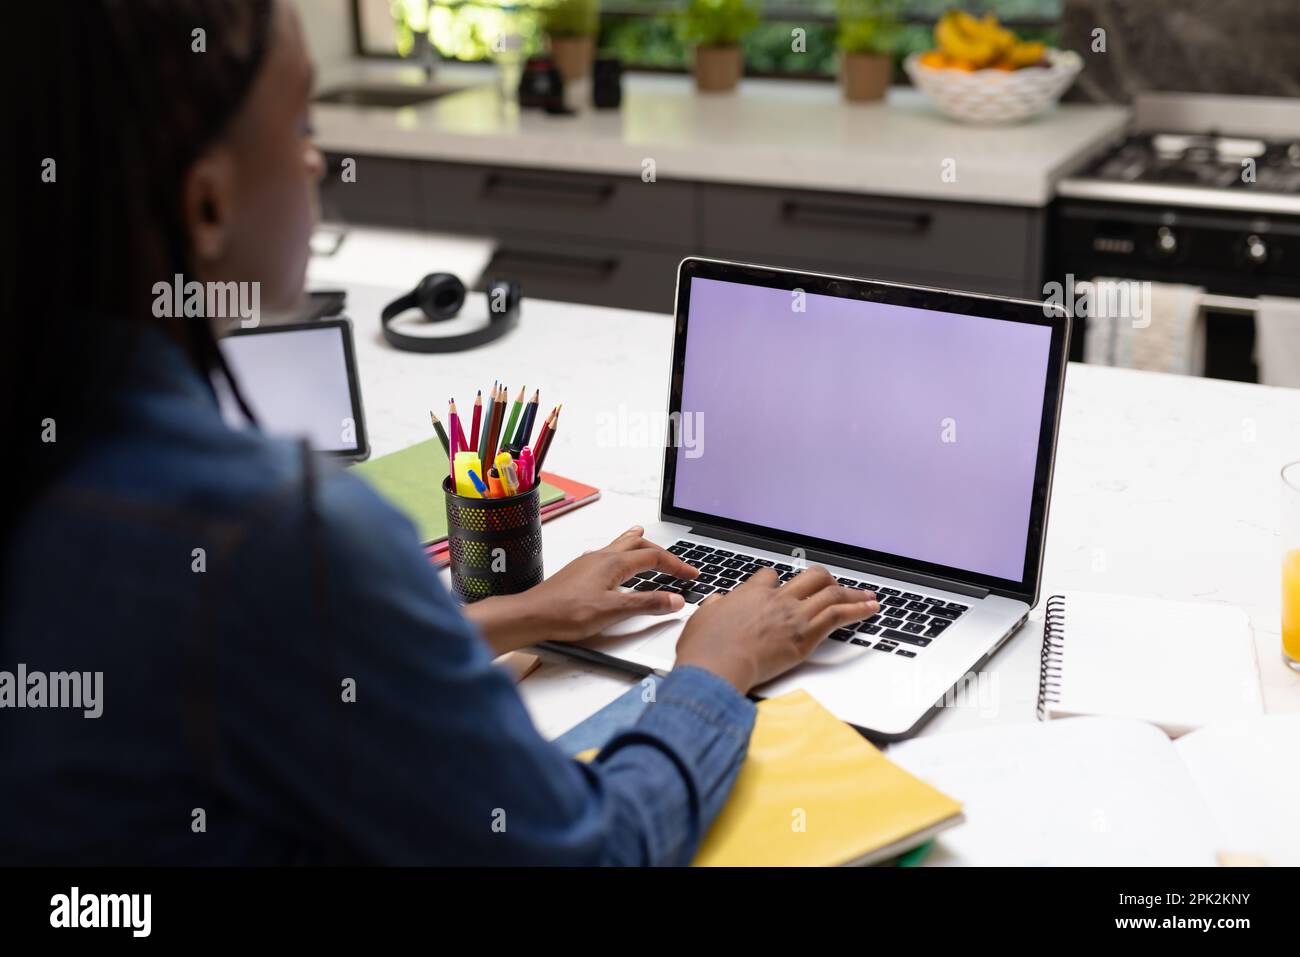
120, 101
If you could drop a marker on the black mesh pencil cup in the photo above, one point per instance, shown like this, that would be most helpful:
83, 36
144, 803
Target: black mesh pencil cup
495, 544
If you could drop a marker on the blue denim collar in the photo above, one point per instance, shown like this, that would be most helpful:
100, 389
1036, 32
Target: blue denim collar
158, 364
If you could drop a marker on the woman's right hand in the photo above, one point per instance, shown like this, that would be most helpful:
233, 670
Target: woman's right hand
762, 628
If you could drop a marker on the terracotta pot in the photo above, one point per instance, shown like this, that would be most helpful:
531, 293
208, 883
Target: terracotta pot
865, 76
573, 56
718, 69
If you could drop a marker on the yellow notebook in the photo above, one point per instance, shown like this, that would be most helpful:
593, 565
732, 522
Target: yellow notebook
814, 792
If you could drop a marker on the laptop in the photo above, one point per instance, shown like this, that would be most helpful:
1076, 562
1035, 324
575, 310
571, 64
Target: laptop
901, 436
300, 381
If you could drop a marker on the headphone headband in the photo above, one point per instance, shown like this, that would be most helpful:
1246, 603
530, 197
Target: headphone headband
439, 296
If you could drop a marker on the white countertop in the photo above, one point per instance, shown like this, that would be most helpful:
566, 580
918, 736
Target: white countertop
1166, 486
784, 133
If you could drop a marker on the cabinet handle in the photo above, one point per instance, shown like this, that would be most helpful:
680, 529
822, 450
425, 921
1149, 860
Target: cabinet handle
810, 213
519, 187
588, 269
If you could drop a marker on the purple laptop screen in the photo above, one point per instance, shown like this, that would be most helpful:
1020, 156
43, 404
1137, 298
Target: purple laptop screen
906, 431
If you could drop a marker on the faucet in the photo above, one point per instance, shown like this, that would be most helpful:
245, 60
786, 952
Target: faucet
426, 55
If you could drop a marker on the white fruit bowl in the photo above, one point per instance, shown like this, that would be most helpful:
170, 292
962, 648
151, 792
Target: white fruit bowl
996, 96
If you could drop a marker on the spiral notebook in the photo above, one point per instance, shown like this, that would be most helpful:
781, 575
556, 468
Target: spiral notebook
1178, 665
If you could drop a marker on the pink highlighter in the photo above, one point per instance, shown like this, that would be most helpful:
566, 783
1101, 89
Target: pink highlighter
526, 465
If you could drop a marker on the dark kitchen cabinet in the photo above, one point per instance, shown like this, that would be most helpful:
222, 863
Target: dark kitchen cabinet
994, 249
582, 207
599, 275
615, 240
386, 192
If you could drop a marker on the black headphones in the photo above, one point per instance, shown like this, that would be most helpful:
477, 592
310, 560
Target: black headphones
439, 296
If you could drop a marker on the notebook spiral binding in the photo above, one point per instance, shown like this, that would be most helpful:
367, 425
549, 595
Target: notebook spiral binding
1049, 668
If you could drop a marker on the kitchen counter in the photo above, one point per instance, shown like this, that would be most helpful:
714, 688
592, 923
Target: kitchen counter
1166, 486
782, 133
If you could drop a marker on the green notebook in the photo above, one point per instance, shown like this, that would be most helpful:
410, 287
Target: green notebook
411, 479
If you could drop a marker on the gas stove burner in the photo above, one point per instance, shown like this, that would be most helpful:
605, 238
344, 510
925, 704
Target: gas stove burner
1206, 147
1203, 161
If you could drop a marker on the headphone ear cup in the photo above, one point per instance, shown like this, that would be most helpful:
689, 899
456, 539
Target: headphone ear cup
440, 295
503, 296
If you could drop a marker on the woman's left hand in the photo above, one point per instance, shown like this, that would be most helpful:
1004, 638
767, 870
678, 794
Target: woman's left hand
582, 598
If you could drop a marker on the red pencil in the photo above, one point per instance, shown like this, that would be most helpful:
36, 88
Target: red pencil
474, 422
458, 434
544, 441
541, 433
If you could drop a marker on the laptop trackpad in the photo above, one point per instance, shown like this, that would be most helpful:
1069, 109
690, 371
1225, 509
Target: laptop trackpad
640, 635
835, 652
640, 625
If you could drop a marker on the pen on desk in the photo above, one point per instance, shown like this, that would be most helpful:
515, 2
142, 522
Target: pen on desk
442, 433
474, 422
508, 435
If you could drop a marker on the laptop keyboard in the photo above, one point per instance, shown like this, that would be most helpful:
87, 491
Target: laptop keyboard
907, 622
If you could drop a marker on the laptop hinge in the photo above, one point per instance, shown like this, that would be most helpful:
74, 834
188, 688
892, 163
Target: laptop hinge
857, 564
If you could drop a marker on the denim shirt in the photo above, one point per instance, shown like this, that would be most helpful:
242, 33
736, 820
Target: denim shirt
285, 680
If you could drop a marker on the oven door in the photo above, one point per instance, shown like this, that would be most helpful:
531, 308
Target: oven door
1232, 256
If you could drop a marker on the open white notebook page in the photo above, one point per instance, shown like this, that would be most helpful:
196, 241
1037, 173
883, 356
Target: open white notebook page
1180, 665
1083, 791
1248, 772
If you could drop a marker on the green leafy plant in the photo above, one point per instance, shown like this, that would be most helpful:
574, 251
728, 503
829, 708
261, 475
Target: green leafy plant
867, 26
716, 23
573, 18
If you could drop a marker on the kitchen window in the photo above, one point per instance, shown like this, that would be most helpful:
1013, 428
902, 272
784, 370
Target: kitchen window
639, 32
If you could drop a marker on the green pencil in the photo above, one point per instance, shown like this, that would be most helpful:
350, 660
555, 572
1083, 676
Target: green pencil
442, 433
509, 433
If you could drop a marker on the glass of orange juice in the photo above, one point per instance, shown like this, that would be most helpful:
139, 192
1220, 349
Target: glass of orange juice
1291, 565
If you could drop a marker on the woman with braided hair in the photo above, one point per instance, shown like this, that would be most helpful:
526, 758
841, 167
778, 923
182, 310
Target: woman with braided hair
214, 591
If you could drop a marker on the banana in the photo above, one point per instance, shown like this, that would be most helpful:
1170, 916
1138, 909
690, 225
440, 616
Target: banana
1026, 53
1001, 38
961, 36
980, 43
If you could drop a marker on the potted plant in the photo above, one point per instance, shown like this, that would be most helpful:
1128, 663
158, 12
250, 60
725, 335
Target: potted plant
866, 32
715, 28
571, 27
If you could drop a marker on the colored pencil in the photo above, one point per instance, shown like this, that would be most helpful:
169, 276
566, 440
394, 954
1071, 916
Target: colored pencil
526, 422
482, 434
458, 443
541, 433
544, 442
474, 422
494, 425
442, 433
508, 435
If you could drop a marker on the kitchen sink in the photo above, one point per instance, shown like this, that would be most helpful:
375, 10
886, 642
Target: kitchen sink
384, 97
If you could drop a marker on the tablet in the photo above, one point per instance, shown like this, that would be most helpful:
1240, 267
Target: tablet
300, 381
